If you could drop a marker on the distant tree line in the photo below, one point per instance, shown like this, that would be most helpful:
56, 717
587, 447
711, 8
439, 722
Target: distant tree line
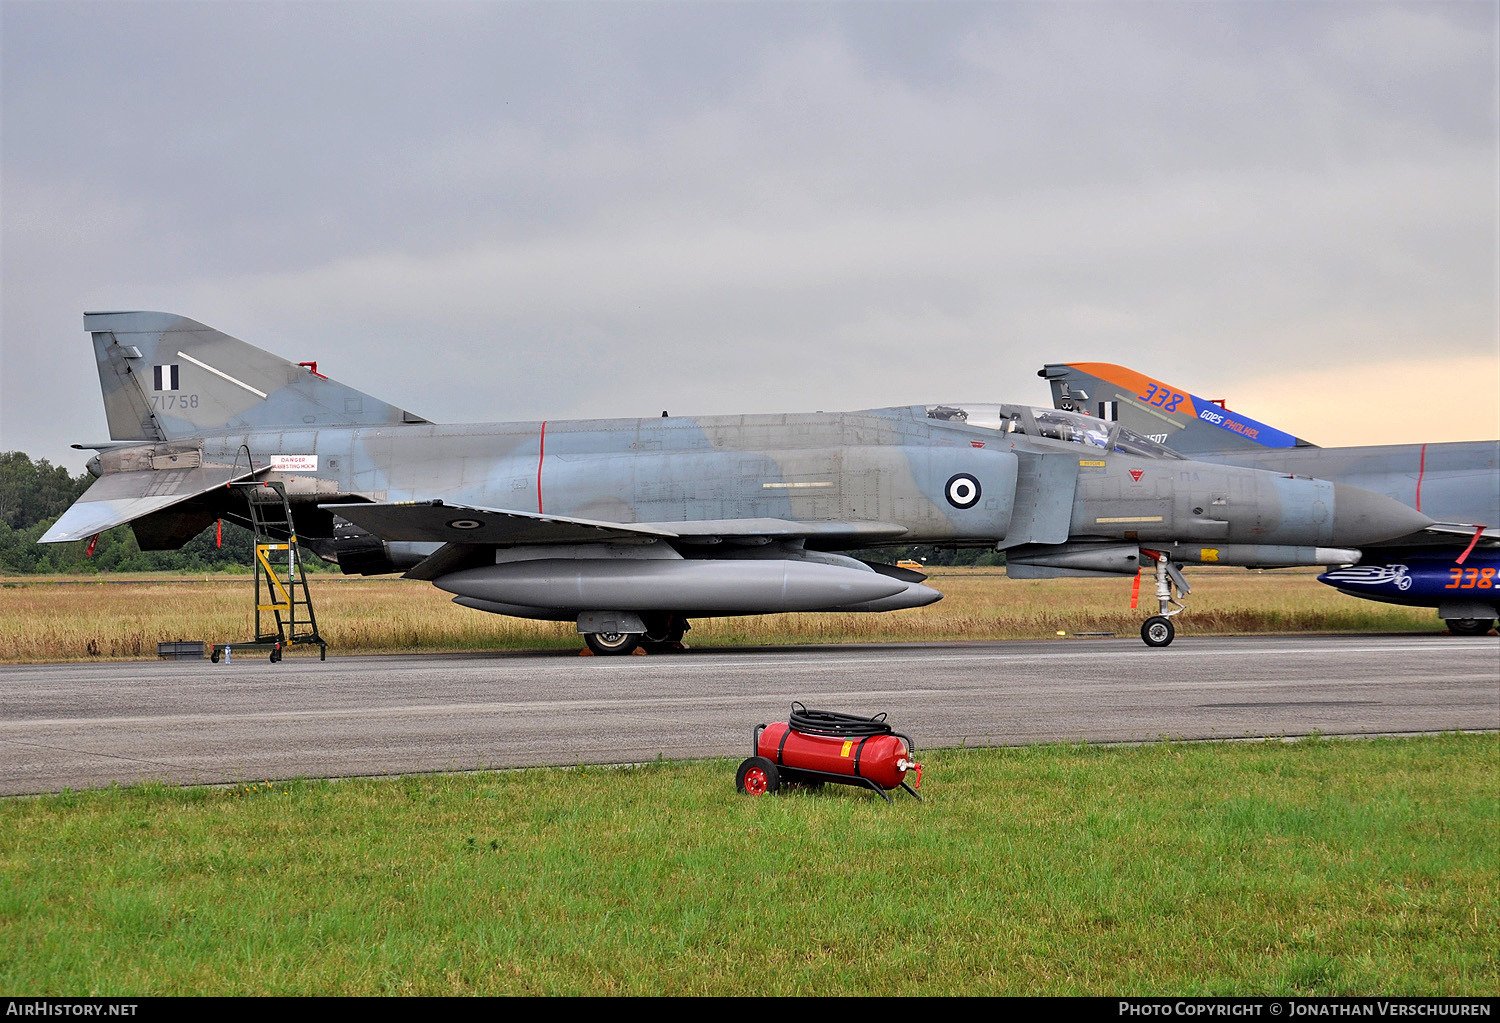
34, 494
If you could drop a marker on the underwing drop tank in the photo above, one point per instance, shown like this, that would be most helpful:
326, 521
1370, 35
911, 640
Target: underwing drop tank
683, 586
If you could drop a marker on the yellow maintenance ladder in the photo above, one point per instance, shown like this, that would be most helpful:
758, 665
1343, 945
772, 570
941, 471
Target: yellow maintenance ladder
285, 599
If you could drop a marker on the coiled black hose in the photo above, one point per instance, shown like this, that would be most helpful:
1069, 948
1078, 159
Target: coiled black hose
831, 722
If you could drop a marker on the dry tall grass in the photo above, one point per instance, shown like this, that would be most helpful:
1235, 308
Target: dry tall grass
61, 619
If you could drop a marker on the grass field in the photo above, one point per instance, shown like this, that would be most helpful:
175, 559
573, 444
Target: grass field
1320, 867
74, 618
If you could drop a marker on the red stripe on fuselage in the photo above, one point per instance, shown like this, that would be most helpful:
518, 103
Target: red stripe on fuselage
1421, 468
541, 452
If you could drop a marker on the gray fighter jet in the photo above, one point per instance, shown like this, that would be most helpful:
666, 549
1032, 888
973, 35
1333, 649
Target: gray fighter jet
629, 527
1452, 565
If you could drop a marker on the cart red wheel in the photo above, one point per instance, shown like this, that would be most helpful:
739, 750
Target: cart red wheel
757, 776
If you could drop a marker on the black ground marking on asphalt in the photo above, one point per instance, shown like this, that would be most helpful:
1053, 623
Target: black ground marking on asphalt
93, 753
1296, 703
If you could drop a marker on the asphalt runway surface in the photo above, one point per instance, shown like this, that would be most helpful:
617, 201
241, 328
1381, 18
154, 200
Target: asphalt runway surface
88, 725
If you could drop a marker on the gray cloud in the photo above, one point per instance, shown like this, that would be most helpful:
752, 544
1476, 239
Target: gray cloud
493, 211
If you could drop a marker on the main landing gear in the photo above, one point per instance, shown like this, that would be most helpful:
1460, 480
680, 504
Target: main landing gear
1158, 630
612, 644
663, 633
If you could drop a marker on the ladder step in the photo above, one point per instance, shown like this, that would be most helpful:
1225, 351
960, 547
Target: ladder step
278, 559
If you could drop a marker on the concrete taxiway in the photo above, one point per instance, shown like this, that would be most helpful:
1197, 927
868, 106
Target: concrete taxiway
86, 725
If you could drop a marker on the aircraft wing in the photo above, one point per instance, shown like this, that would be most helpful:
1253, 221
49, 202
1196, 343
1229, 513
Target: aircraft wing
468, 532
119, 497
1449, 534
835, 533
439, 521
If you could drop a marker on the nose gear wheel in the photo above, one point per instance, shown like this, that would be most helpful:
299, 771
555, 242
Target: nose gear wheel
1158, 630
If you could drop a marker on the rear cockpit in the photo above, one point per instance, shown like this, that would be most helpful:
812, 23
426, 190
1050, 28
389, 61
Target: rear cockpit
1053, 424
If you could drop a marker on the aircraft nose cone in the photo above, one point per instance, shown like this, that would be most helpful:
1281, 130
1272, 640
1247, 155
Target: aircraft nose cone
1362, 517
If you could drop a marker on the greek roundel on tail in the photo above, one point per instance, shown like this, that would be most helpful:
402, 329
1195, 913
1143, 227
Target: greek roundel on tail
1451, 565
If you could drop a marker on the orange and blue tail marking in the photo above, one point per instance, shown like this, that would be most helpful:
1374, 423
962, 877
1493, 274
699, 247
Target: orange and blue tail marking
1165, 399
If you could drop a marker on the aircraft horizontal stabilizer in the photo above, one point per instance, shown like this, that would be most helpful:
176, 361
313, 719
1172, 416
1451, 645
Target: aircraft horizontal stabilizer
438, 521
120, 497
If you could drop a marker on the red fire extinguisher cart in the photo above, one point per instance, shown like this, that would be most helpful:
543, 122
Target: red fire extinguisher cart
816, 746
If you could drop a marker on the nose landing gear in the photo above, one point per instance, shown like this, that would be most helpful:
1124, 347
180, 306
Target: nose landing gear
1158, 630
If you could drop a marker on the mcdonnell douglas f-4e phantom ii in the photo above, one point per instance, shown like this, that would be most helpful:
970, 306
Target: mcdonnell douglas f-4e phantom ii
1452, 565
629, 527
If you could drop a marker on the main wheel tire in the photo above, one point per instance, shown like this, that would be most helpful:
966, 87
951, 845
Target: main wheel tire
757, 776
1470, 626
1158, 631
664, 633
612, 644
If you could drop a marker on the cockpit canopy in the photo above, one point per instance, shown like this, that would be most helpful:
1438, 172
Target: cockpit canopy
1054, 424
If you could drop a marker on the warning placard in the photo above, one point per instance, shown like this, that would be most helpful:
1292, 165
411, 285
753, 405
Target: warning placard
294, 463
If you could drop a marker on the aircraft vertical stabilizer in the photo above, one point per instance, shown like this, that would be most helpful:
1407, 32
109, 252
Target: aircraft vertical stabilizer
1166, 414
166, 376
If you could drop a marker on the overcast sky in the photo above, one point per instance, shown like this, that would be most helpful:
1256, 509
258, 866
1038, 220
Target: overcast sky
503, 211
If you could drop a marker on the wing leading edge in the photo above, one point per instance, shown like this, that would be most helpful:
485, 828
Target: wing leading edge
441, 522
